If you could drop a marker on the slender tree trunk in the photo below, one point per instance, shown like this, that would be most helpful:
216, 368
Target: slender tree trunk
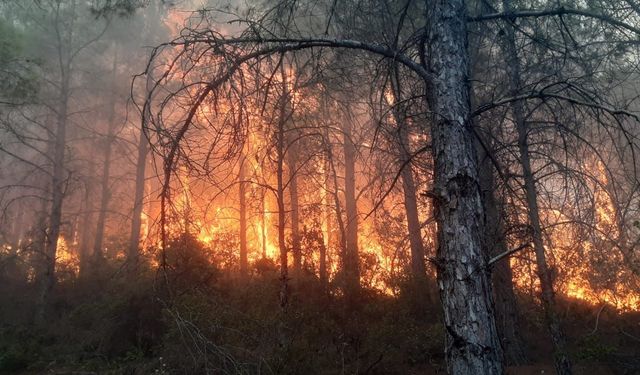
105, 191
337, 207
292, 161
17, 231
58, 183
133, 252
324, 281
507, 319
243, 220
418, 269
263, 229
562, 362
472, 343
280, 150
413, 220
87, 226
351, 259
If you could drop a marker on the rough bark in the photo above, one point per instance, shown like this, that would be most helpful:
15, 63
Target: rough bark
561, 359
472, 343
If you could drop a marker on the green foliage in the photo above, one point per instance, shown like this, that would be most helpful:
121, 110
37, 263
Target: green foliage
17, 350
17, 77
120, 8
594, 348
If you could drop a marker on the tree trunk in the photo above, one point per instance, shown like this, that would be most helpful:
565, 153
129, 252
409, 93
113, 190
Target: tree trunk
105, 192
295, 211
472, 343
561, 359
280, 151
48, 276
324, 280
243, 219
351, 259
263, 229
337, 207
507, 319
418, 269
87, 225
133, 252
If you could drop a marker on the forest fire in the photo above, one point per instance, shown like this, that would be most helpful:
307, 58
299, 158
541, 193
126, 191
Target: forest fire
319, 187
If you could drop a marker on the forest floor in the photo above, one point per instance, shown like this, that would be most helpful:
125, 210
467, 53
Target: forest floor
215, 326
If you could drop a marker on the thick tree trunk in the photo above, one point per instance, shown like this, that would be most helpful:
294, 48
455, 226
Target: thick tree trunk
562, 362
243, 219
472, 343
351, 258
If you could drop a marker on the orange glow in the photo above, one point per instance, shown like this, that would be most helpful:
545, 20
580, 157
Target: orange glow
66, 257
212, 216
571, 252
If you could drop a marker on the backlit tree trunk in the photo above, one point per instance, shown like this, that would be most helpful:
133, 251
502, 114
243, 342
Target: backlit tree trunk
351, 258
561, 359
472, 343
133, 252
87, 225
507, 319
327, 232
58, 183
292, 164
280, 155
243, 218
105, 191
410, 201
